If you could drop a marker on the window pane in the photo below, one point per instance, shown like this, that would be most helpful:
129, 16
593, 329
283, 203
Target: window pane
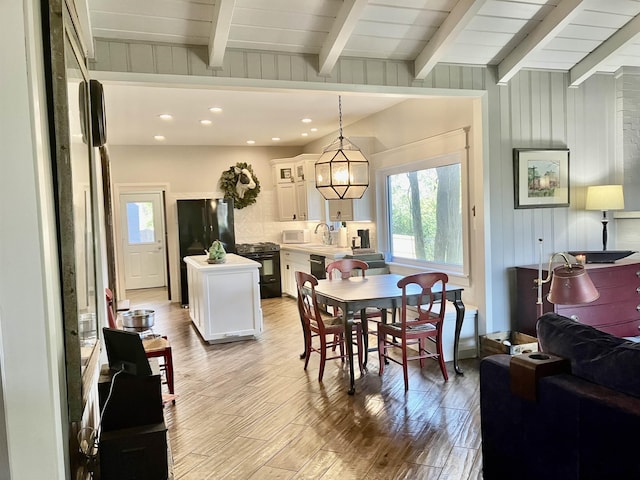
426, 214
140, 222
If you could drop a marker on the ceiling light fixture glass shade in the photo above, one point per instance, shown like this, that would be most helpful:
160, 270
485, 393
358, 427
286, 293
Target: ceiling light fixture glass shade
342, 171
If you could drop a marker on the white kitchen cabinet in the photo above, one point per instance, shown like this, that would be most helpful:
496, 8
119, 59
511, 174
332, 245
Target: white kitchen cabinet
354, 210
286, 198
291, 262
298, 198
224, 299
302, 206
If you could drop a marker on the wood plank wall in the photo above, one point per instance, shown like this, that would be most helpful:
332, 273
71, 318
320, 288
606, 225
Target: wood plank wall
118, 56
536, 109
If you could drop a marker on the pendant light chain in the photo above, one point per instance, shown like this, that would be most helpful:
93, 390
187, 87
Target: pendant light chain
340, 114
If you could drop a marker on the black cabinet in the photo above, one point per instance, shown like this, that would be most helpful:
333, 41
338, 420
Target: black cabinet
135, 400
138, 453
133, 438
200, 223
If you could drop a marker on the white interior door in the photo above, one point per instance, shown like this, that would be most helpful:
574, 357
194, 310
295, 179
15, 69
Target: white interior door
143, 240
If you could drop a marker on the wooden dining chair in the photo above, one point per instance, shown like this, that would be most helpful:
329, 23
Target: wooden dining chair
318, 326
416, 328
346, 268
158, 347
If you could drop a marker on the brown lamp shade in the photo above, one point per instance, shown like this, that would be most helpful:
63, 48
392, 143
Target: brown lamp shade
571, 285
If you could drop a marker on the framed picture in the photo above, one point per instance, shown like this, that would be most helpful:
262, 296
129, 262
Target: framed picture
541, 177
285, 173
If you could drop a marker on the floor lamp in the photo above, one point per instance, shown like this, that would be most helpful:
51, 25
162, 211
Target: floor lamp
605, 197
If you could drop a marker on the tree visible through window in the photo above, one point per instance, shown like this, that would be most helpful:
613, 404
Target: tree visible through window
426, 214
140, 222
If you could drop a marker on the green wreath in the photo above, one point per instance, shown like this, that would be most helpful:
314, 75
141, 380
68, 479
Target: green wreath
242, 188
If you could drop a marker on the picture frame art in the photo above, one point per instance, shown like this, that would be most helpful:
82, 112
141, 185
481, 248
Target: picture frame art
541, 177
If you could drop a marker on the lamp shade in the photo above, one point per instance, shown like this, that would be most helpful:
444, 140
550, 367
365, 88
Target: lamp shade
571, 285
605, 197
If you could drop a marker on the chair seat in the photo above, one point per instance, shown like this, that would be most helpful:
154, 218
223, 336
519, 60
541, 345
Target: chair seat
397, 327
155, 344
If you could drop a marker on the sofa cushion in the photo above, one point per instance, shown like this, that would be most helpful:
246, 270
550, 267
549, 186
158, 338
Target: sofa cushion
595, 355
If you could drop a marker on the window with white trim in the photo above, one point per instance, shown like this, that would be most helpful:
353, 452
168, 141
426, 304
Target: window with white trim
426, 213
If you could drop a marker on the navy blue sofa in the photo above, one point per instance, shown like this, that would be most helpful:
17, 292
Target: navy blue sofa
583, 425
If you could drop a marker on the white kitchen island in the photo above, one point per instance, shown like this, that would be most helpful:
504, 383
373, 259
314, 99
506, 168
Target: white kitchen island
224, 298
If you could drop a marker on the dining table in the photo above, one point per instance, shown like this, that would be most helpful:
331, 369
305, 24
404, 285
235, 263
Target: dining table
354, 294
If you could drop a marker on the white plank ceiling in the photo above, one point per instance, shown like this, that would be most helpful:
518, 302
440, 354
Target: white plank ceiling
581, 37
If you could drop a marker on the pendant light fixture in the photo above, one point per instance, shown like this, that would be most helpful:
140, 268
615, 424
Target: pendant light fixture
342, 171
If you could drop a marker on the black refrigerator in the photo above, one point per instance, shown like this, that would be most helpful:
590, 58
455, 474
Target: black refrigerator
200, 223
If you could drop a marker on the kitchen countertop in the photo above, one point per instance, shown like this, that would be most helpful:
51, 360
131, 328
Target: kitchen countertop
329, 251
232, 261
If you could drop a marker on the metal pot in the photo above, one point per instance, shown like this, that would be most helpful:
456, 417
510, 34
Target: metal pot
139, 319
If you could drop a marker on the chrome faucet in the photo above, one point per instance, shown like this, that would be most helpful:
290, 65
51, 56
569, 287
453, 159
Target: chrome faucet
326, 235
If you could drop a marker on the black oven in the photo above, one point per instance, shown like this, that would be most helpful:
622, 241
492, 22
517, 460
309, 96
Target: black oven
268, 256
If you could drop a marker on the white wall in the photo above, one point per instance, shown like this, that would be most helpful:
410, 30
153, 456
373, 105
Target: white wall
537, 109
410, 121
33, 420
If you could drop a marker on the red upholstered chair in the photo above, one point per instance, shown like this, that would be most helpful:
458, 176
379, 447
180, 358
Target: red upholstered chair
319, 327
158, 347
416, 328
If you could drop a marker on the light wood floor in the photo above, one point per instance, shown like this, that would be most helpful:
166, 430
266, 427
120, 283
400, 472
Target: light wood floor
248, 410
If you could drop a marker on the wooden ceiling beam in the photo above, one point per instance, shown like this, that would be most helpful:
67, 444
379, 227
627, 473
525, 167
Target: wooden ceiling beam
590, 64
220, 31
540, 36
341, 30
445, 36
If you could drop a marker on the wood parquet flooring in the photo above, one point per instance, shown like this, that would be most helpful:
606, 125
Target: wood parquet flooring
248, 410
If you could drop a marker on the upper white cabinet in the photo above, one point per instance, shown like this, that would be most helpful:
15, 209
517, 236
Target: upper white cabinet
287, 210
297, 196
351, 210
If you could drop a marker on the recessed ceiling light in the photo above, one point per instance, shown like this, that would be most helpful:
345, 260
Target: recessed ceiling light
314, 129
251, 142
306, 120
275, 139
205, 122
159, 138
165, 116
305, 134
215, 109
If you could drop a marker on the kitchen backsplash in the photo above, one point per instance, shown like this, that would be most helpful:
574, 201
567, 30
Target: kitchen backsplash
259, 223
